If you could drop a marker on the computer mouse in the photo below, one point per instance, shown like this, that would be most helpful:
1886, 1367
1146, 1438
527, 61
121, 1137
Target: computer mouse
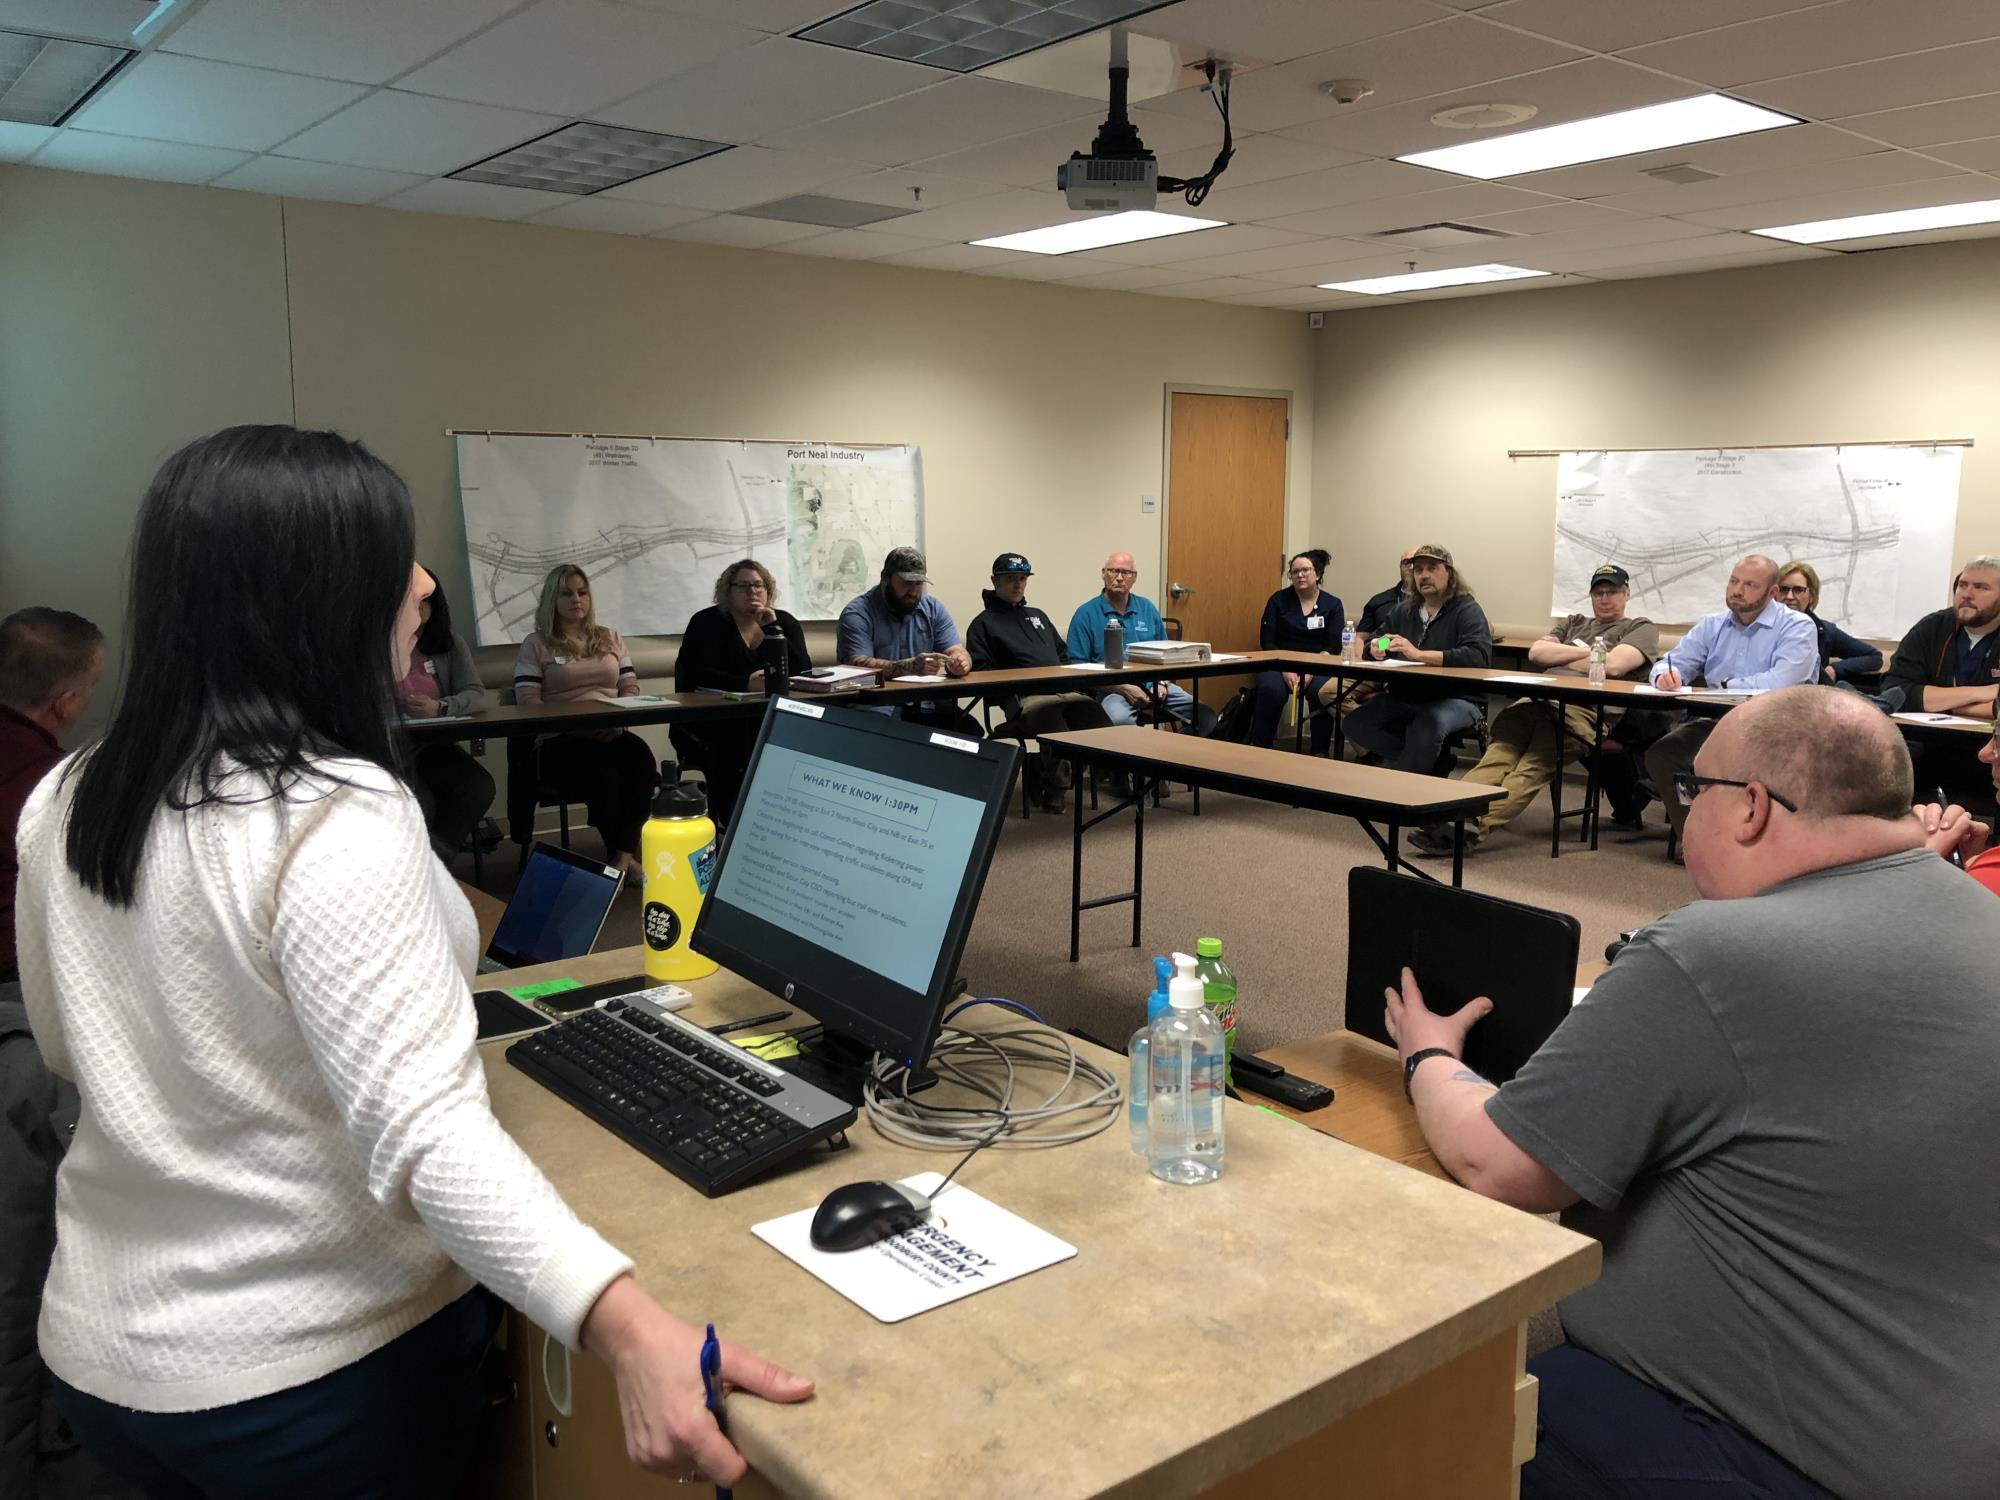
863, 1212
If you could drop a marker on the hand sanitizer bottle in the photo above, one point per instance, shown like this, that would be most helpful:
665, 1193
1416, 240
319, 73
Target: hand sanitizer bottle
1137, 1050
1184, 1094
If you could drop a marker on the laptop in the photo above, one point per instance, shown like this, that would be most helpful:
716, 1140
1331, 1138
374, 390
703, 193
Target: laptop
556, 912
1460, 945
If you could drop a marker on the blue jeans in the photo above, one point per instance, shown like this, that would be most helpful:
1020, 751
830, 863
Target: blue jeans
1607, 1435
1269, 706
1118, 711
1408, 735
397, 1424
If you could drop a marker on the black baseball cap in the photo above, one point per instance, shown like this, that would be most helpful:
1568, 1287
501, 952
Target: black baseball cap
1011, 562
1612, 574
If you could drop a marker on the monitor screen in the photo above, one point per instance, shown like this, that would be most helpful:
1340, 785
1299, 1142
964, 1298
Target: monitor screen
557, 909
849, 874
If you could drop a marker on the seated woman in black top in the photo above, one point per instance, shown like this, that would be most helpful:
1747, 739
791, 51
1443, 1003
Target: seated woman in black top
1298, 618
727, 646
1841, 655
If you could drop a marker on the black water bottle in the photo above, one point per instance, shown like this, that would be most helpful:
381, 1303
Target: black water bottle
777, 673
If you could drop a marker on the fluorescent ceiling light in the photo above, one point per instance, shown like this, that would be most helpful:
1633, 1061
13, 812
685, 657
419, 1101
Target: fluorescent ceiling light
585, 158
1898, 221
1706, 117
1095, 234
43, 79
1424, 281
967, 35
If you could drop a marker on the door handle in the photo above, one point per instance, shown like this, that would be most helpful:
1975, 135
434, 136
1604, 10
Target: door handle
1178, 591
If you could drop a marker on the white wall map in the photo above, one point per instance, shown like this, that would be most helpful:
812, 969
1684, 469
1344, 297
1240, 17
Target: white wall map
654, 520
1876, 521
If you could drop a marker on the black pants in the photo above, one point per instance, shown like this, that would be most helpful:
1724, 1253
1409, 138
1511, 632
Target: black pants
613, 778
454, 790
1269, 707
397, 1424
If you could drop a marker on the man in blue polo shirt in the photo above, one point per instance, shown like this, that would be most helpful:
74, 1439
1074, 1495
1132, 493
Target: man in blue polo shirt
1756, 643
902, 630
1141, 620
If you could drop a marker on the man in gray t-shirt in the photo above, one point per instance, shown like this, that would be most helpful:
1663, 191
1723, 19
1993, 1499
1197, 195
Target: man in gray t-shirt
1774, 1111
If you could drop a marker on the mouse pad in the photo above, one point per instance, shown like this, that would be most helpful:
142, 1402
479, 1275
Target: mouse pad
967, 1245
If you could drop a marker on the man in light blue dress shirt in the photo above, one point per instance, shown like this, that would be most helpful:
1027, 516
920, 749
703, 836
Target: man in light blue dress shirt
1755, 644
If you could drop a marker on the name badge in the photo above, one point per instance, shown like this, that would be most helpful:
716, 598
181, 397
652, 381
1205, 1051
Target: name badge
1316, 622
561, 661
430, 666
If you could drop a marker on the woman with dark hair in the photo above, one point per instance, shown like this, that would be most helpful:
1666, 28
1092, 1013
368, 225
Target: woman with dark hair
570, 657
1299, 617
287, 1184
727, 646
452, 787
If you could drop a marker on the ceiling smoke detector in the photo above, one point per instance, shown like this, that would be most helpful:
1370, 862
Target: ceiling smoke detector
1347, 90
1483, 116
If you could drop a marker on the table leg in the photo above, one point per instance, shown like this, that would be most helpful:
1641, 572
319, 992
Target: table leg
1458, 850
1394, 843
1076, 867
1593, 783
1556, 782
1138, 863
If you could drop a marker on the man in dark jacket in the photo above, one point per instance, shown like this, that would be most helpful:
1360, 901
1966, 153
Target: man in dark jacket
1011, 633
1440, 624
1949, 661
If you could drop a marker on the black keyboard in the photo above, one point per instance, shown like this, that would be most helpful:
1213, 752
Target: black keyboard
706, 1110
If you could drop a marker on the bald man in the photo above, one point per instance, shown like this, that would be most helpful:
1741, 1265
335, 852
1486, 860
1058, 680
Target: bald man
1754, 644
1140, 619
1774, 1110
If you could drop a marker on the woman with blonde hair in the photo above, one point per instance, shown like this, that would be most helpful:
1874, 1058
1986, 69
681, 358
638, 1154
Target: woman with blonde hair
1841, 655
570, 658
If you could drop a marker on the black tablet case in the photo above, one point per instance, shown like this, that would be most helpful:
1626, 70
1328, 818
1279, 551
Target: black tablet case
1460, 945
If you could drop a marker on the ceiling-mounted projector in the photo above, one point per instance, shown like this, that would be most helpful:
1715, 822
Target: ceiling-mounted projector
1118, 174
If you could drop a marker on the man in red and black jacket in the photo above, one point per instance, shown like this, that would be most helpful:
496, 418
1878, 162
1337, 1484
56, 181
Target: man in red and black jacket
1949, 662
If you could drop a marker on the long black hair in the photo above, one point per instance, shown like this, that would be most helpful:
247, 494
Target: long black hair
434, 635
268, 568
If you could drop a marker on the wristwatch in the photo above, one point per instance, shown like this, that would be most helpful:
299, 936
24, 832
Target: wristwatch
1410, 1065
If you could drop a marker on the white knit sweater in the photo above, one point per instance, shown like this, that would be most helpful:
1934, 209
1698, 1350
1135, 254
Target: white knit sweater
286, 1141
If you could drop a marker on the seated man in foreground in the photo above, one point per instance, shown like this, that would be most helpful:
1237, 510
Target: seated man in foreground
1769, 1110
1529, 745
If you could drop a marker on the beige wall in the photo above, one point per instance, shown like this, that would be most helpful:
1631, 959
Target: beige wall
1419, 403
135, 315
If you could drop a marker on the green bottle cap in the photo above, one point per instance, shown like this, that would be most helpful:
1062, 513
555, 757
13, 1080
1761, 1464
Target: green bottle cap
1208, 947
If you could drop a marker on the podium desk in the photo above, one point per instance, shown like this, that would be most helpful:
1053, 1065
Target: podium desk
1318, 1320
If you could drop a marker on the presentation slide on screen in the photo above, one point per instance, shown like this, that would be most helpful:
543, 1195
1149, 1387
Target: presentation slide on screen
863, 864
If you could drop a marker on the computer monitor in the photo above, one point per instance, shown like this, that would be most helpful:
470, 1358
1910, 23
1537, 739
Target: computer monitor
849, 875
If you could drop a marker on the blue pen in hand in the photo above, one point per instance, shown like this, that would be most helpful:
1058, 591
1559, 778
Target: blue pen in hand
711, 1388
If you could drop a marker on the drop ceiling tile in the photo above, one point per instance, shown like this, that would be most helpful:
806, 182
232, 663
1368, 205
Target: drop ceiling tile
99, 21
1451, 54
1209, 289
163, 97
1962, 187
1258, 159
574, 57
1708, 246
950, 116
764, 15
1296, 299
1408, 209
314, 179
733, 179
949, 258
1553, 218
19, 142
1021, 266
617, 216
1923, 237
1301, 252
1347, 260
416, 133
1627, 230
773, 86
1930, 124
1767, 150
476, 200
853, 244
1891, 83
1769, 256
892, 187
1573, 91
1279, 30
74, 150
746, 234
1031, 159
1762, 187
1360, 182
1200, 245
1612, 25
982, 218
366, 41
1828, 36
1977, 156
1132, 278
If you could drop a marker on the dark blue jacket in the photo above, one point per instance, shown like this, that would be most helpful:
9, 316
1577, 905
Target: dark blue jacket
1284, 626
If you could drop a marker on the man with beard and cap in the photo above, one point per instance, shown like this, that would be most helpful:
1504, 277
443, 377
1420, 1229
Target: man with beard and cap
899, 628
1440, 624
1012, 633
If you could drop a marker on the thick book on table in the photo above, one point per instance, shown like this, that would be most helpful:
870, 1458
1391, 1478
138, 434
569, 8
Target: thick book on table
835, 680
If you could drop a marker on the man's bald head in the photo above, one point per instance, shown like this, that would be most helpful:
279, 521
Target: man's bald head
1834, 754
1750, 584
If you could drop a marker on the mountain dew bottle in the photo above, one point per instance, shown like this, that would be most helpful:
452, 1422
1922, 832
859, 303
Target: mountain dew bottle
1218, 989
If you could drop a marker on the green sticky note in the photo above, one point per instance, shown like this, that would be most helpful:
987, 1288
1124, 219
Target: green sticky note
546, 987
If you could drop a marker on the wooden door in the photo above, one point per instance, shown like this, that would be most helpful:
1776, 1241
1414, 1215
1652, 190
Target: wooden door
1225, 518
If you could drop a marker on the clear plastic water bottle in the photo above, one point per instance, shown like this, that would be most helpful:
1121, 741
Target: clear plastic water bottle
1597, 659
1347, 641
1184, 1142
1114, 641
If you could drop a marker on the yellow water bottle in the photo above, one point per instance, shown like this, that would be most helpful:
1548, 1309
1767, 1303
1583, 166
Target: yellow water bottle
677, 847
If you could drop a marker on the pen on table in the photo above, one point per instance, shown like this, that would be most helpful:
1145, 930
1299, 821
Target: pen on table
711, 1390
744, 1025
1944, 802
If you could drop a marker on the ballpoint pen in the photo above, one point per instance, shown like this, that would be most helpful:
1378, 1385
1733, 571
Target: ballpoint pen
745, 1024
711, 1388
1944, 803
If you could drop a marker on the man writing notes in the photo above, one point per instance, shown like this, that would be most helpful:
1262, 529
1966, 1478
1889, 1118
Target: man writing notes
1785, 1164
1529, 745
1753, 644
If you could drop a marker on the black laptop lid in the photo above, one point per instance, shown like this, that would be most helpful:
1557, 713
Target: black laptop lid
1460, 945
